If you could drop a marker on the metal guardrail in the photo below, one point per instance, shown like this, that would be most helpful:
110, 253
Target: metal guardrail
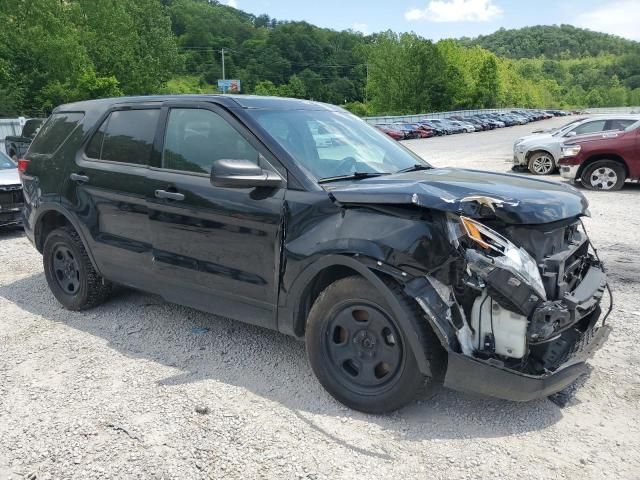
388, 119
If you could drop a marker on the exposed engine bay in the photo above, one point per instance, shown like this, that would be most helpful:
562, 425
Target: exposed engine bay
527, 308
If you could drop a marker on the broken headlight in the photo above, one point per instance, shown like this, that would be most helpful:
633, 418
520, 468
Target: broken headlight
500, 252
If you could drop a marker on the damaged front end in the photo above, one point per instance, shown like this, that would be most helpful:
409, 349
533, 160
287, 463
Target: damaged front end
518, 310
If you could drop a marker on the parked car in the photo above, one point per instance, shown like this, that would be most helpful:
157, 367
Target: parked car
493, 120
11, 200
480, 124
446, 124
437, 127
392, 132
466, 126
603, 161
392, 271
540, 152
423, 130
410, 133
16, 146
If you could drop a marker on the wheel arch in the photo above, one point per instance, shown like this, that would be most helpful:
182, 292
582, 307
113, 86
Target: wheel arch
533, 151
320, 274
55, 216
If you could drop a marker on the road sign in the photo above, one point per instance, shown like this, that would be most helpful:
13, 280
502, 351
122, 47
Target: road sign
229, 86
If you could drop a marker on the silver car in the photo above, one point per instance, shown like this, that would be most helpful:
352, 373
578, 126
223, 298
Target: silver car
540, 152
11, 199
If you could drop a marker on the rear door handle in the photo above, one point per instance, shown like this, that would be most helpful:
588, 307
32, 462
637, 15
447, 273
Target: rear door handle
76, 177
169, 195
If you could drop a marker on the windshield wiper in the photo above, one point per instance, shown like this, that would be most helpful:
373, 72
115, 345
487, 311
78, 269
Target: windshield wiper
415, 168
352, 176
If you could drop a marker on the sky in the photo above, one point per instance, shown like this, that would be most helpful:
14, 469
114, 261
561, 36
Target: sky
436, 19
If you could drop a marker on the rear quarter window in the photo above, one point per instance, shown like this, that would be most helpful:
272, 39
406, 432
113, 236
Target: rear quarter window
55, 132
125, 136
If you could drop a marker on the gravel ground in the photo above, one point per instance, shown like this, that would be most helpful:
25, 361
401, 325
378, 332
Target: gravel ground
139, 388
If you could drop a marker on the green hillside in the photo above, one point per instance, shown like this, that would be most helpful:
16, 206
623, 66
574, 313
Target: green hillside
54, 51
553, 42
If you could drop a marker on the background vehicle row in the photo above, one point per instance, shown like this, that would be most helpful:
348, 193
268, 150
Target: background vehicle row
431, 127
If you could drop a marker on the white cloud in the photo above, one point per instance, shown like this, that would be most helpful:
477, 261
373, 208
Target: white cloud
456, 11
360, 27
232, 3
619, 18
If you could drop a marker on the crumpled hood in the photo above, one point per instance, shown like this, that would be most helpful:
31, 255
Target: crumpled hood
9, 176
516, 199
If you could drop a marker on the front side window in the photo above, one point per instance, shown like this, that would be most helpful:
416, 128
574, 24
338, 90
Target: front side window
590, 127
195, 138
55, 132
125, 136
333, 143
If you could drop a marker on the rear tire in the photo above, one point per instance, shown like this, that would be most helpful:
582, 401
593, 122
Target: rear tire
604, 175
358, 350
69, 271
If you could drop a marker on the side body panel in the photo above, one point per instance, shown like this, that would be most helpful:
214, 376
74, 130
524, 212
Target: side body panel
216, 249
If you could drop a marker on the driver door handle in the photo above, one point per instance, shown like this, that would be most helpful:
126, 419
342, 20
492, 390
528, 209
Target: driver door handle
169, 195
76, 177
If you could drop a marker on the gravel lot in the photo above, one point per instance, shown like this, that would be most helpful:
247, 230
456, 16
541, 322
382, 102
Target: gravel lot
116, 392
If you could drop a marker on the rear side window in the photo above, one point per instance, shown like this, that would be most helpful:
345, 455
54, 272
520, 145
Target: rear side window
619, 124
55, 132
125, 136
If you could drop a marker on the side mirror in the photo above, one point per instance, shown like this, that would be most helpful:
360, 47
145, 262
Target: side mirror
242, 174
571, 134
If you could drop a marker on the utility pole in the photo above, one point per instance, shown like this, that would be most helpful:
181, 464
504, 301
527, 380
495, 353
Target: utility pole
224, 89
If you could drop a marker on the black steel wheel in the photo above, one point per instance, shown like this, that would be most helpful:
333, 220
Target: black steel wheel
69, 271
363, 347
66, 269
359, 351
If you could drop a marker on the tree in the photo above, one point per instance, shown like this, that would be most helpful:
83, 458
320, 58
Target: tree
487, 91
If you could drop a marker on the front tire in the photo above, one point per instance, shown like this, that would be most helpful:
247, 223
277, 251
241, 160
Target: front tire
604, 175
542, 163
69, 271
359, 351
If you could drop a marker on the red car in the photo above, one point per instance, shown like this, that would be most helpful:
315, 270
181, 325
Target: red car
423, 130
603, 161
393, 133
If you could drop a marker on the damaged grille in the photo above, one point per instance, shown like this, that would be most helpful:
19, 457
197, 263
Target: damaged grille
561, 251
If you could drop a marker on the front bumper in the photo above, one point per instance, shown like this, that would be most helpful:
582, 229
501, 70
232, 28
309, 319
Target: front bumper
563, 355
569, 172
519, 158
474, 375
10, 215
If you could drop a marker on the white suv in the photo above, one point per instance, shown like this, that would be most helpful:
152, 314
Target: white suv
541, 152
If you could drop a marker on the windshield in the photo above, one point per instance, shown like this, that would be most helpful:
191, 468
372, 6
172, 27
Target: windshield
5, 162
333, 143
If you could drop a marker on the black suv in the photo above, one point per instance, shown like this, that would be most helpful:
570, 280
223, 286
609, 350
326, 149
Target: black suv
395, 273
